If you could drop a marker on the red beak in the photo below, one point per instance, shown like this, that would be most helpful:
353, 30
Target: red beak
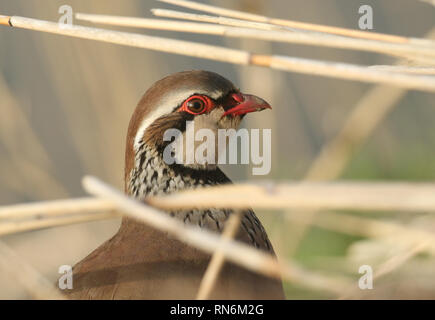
246, 103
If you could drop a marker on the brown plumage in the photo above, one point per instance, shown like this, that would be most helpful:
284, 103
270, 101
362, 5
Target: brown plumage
142, 263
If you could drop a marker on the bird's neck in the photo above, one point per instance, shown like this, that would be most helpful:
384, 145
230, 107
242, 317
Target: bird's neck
151, 175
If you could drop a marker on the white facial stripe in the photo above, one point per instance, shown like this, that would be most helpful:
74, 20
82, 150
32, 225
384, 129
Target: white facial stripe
166, 106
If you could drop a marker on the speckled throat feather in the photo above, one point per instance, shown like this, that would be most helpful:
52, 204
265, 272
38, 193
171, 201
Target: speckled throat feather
152, 176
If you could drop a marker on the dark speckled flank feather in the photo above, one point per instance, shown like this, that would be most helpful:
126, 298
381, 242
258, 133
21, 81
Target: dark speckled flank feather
142, 263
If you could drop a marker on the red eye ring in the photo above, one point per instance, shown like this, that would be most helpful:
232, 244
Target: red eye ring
197, 105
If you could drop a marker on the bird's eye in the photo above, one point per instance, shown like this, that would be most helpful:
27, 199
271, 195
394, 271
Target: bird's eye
196, 106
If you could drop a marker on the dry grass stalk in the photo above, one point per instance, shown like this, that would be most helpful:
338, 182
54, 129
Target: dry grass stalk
406, 69
344, 71
316, 67
55, 208
292, 24
35, 284
46, 214
236, 252
25, 217
307, 195
217, 260
28, 225
217, 10
135, 40
218, 20
398, 260
268, 35
361, 196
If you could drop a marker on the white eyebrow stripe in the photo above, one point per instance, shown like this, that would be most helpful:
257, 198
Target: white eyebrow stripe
166, 107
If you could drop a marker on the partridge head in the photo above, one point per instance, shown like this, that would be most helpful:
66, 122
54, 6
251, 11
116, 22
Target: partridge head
195, 99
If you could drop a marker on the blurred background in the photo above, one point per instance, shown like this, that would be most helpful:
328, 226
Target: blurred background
65, 104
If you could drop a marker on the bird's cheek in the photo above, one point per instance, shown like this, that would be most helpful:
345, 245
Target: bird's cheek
231, 122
